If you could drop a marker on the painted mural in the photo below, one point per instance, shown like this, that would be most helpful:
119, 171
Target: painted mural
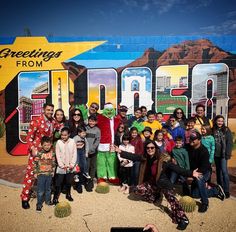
161, 73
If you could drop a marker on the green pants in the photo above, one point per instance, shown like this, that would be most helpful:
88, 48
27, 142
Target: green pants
107, 164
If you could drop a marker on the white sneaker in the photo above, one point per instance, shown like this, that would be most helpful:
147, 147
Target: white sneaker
76, 178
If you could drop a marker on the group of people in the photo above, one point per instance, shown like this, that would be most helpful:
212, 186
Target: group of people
143, 154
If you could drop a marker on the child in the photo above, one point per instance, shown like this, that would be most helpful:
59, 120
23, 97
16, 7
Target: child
163, 145
93, 137
152, 122
146, 134
125, 164
66, 154
208, 141
121, 130
82, 155
160, 119
189, 129
44, 163
137, 142
167, 137
181, 158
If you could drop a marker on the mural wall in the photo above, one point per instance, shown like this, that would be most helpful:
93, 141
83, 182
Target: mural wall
161, 73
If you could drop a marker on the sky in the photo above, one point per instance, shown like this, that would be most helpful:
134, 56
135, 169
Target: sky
117, 17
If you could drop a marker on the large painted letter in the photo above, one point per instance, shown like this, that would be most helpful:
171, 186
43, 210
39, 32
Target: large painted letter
210, 88
102, 83
136, 88
171, 85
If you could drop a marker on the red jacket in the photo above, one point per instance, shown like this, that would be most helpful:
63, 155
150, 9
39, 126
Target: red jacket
104, 126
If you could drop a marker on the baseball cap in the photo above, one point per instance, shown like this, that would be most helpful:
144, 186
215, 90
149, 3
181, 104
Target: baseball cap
147, 128
123, 108
195, 135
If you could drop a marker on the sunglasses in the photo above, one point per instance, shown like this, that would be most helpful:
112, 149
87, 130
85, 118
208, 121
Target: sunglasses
172, 120
152, 148
121, 127
94, 107
76, 114
179, 112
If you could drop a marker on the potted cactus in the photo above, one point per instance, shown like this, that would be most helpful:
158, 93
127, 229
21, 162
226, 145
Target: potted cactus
62, 209
188, 203
102, 187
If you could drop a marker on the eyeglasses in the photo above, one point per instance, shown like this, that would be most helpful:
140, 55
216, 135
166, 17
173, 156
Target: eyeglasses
152, 148
76, 114
94, 107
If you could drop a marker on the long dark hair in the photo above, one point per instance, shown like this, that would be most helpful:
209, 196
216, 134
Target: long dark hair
157, 153
60, 110
215, 127
183, 115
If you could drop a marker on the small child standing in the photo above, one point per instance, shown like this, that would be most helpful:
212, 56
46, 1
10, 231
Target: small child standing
125, 164
66, 158
208, 141
93, 135
146, 134
44, 162
180, 157
82, 155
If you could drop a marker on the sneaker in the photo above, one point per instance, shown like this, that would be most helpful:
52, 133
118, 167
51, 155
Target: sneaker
203, 208
126, 189
221, 193
76, 178
122, 188
39, 209
227, 195
25, 205
182, 225
86, 175
79, 189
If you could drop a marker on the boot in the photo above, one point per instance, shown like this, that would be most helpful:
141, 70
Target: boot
68, 194
25, 205
56, 196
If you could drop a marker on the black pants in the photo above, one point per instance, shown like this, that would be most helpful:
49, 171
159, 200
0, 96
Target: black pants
125, 174
60, 178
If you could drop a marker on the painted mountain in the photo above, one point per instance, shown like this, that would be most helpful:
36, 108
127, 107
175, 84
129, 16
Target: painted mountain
189, 52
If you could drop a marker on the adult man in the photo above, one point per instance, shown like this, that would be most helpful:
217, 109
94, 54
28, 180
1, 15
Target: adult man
122, 114
38, 128
93, 108
199, 159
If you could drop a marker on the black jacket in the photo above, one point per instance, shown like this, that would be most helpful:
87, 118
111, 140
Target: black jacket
199, 159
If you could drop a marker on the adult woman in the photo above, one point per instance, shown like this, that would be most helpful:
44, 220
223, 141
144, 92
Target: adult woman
180, 117
223, 148
60, 121
201, 118
154, 171
76, 120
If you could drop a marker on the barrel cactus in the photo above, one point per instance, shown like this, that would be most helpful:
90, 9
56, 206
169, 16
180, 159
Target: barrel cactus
188, 203
2, 127
102, 187
62, 209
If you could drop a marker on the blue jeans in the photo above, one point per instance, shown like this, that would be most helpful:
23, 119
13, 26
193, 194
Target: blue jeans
43, 188
222, 175
135, 173
199, 189
82, 161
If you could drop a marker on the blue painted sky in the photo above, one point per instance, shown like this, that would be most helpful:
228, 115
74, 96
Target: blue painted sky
118, 17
